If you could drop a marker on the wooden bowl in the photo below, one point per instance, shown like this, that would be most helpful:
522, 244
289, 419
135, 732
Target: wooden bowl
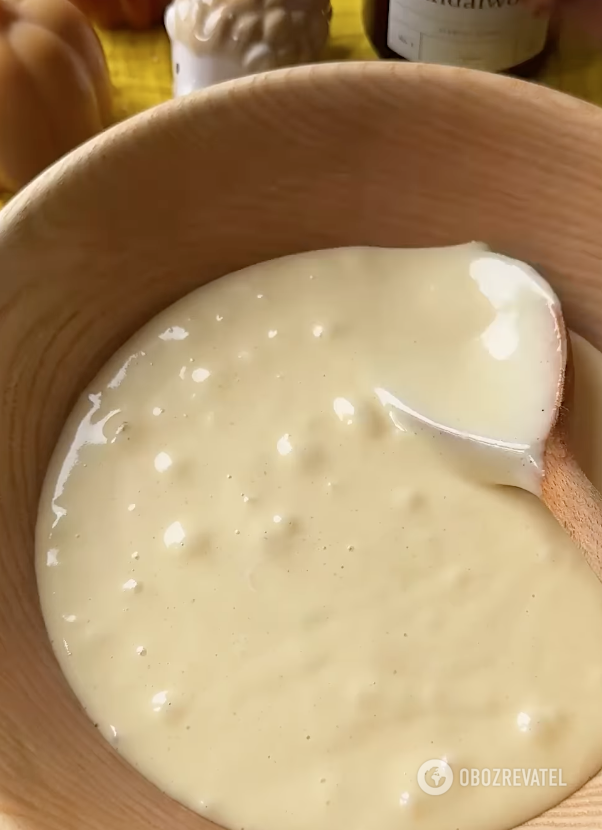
370, 154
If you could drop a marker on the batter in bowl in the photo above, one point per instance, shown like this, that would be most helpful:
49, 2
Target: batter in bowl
278, 599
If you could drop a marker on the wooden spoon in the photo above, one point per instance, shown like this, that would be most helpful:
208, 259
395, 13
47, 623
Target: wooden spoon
565, 489
552, 474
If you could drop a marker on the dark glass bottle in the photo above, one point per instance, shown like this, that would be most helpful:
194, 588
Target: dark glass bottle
494, 35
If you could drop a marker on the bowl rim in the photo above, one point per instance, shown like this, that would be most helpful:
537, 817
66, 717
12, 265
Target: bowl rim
65, 171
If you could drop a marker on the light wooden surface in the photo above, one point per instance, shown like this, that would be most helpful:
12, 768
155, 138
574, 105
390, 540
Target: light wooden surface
141, 71
573, 500
108, 237
566, 490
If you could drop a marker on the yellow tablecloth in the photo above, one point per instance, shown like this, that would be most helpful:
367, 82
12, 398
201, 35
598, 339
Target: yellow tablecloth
141, 71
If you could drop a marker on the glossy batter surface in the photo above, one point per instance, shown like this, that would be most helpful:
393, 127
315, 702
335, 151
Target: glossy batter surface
278, 604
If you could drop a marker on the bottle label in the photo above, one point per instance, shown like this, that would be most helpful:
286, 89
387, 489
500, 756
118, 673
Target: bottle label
482, 34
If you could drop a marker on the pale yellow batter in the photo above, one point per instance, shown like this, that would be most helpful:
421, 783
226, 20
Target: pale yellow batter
278, 604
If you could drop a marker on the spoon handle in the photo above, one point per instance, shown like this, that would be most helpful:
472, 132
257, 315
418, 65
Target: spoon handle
573, 500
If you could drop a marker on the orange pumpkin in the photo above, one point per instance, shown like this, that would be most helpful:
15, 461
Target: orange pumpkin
116, 14
55, 91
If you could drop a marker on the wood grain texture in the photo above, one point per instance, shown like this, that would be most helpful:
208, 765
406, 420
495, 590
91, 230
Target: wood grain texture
566, 490
573, 499
371, 154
